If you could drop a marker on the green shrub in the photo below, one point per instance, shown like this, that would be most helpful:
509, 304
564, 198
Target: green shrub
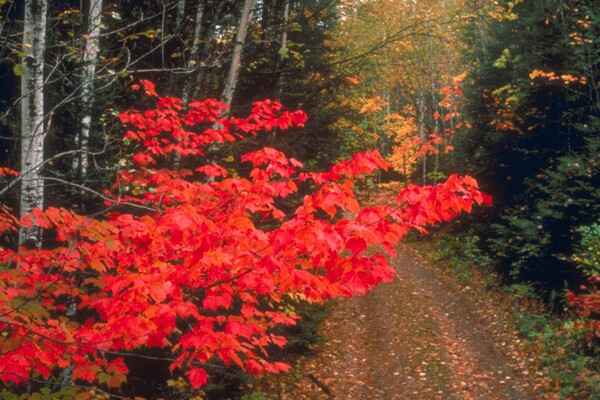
588, 253
459, 254
563, 357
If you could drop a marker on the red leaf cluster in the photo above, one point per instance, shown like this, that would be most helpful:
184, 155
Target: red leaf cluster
196, 273
586, 303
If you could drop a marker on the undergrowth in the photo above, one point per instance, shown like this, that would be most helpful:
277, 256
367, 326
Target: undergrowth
568, 356
565, 356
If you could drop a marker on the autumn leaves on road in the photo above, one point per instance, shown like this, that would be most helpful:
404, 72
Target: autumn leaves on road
422, 337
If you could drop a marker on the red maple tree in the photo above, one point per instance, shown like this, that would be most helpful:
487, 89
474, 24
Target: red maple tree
195, 262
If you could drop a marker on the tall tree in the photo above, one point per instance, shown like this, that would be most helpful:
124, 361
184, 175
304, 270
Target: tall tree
406, 53
236, 57
535, 108
194, 47
283, 49
33, 129
194, 270
90, 59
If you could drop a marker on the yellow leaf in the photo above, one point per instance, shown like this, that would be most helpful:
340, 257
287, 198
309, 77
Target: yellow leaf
18, 69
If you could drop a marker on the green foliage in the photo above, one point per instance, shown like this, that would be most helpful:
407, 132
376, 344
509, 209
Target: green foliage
535, 241
302, 336
522, 291
435, 176
534, 144
460, 254
588, 252
48, 393
567, 350
255, 396
566, 356
565, 360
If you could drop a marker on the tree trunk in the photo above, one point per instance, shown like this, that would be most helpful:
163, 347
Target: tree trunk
434, 103
194, 49
216, 18
32, 116
236, 58
180, 15
90, 58
283, 48
421, 118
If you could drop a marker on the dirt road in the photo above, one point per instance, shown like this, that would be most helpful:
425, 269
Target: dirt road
422, 337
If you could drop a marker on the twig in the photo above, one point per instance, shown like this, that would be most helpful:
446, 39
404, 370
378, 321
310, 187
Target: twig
321, 385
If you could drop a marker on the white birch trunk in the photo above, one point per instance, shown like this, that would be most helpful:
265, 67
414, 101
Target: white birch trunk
283, 49
434, 104
284, 30
195, 48
194, 51
421, 119
234, 68
32, 116
180, 14
236, 58
90, 58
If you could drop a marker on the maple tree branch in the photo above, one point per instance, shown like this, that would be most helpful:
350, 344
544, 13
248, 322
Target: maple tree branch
202, 290
103, 197
89, 345
70, 384
28, 301
23, 174
223, 204
40, 291
392, 211
139, 21
221, 257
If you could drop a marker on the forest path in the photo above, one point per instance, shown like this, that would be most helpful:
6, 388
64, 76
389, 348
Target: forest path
421, 337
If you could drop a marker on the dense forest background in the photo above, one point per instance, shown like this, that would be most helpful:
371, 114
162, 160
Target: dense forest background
505, 91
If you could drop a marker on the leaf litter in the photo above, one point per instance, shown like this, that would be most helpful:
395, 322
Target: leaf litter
422, 337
